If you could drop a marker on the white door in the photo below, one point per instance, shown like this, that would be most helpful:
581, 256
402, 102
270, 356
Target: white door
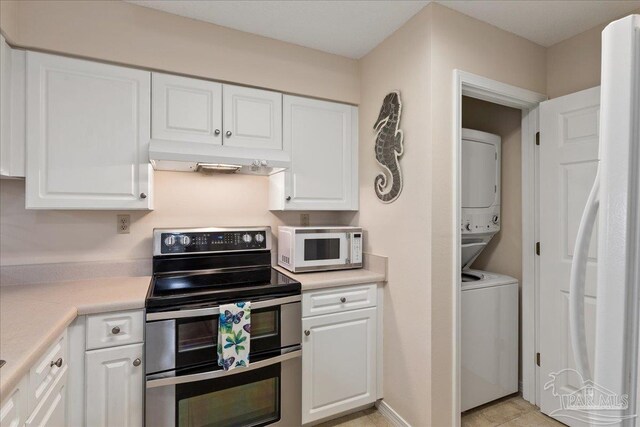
186, 109
252, 118
87, 135
338, 363
115, 380
52, 409
569, 128
323, 141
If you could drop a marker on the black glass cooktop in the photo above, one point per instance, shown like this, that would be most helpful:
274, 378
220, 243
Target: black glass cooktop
182, 291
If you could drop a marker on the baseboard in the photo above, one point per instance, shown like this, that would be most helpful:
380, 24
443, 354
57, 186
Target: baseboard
391, 415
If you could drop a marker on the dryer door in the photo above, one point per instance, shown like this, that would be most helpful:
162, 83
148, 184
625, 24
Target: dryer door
480, 174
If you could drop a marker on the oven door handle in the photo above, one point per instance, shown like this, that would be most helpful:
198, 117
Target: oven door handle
212, 311
161, 382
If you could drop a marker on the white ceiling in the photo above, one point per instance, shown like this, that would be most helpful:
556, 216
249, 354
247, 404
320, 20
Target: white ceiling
352, 28
347, 28
544, 22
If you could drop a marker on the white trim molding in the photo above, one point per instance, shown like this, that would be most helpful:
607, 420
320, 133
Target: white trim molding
391, 415
483, 88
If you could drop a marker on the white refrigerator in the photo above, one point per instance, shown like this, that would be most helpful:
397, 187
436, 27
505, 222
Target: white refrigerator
615, 203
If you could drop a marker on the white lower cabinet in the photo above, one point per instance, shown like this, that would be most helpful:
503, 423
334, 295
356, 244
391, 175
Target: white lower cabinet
114, 384
13, 410
52, 411
339, 362
40, 399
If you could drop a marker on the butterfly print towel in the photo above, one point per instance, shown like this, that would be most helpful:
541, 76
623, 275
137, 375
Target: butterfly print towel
234, 335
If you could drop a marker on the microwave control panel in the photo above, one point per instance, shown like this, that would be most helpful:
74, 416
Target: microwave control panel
356, 248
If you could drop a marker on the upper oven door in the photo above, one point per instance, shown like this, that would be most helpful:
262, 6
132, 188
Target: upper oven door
190, 337
317, 249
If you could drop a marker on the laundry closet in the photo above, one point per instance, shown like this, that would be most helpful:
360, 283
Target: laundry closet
490, 251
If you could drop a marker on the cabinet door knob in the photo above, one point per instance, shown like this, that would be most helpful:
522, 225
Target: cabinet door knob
307, 332
115, 330
143, 196
57, 363
288, 198
343, 300
216, 132
228, 133
137, 362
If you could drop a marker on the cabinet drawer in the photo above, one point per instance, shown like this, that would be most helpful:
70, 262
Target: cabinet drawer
43, 374
112, 329
52, 411
336, 300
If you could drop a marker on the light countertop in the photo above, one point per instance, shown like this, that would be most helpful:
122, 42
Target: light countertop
330, 279
374, 271
32, 317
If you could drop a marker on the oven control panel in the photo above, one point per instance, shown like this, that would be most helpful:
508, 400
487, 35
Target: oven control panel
190, 241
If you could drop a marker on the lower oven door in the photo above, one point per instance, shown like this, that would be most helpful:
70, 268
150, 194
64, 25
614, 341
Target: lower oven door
267, 392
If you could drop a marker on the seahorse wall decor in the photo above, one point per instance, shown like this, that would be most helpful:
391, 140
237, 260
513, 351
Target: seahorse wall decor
388, 184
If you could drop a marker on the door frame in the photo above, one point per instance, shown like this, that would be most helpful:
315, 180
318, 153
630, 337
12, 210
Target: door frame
475, 86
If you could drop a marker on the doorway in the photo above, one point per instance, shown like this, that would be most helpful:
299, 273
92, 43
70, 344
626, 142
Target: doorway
483, 89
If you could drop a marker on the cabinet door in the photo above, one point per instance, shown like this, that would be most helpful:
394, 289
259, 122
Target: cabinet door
12, 114
87, 135
323, 141
185, 109
115, 386
338, 363
13, 410
252, 118
52, 410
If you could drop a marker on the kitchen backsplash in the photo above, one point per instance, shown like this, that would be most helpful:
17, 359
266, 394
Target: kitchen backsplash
182, 199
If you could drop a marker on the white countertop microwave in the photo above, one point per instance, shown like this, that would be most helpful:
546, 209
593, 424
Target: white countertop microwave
304, 249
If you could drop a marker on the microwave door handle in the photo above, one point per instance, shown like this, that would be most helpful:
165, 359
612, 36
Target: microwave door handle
212, 311
161, 382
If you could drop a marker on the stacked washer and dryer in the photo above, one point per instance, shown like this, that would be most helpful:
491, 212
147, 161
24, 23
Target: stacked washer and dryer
489, 342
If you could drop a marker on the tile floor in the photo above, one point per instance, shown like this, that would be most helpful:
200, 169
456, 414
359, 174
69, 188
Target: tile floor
368, 418
508, 412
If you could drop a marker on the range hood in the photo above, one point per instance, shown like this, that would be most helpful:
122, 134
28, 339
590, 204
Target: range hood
211, 158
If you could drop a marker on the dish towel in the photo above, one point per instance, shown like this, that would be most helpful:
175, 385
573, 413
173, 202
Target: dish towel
234, 335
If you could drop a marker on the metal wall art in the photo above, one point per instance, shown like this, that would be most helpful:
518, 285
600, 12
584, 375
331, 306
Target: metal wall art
388, 184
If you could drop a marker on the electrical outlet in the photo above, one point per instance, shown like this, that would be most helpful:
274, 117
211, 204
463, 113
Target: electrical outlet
124, 221
304, 220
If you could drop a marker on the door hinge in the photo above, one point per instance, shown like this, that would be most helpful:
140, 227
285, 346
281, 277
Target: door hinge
538, 359
537, 138
538, 248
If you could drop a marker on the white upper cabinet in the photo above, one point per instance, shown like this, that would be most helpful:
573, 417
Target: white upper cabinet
252, 118
88, 131
186, 109
322, 138
12, 111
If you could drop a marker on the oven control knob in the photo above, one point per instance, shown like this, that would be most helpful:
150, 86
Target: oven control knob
468, 227
170, 241
185, 240
494, 219
246, 238
259, 238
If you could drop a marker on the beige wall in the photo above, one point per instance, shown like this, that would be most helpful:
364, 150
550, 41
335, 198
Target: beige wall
401, 230
504, 252
574, 64
135, 35
461, 42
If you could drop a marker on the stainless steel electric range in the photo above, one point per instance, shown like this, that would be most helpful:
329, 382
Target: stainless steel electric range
194, 271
